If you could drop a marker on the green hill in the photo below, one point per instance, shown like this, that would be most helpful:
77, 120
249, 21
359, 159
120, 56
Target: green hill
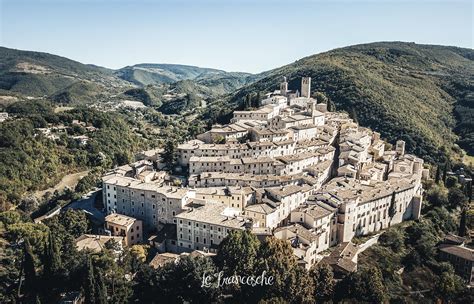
36, 74
420, 93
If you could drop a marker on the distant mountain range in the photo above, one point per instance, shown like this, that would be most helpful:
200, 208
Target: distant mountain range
420, 93
35, 74
148, 73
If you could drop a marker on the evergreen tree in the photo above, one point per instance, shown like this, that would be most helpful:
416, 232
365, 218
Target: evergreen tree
331, 106
320, 97
366, 285
52, 259
375, 291
101, 289
392, 210
438, 174
445, 171
89, 284
29, 271
169, 153
463, 222
323, 279
290, 281
259, 100
248, 101
469, 192
353, 115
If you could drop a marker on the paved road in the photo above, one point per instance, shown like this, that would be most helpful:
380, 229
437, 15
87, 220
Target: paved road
86, 203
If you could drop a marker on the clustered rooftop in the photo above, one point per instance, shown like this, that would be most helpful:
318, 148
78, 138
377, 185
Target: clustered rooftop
290, 167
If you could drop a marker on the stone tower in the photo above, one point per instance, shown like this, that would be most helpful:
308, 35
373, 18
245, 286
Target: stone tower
306, 87
400, 147
284, 87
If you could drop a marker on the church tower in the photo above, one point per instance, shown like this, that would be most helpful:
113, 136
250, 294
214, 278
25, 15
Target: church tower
306, 87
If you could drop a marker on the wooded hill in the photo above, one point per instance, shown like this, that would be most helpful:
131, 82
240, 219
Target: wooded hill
422, 94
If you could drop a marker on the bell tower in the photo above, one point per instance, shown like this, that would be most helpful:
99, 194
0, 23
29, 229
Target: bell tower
306, 87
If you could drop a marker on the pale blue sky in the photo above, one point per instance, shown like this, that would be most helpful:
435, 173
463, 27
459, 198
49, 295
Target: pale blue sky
240, 35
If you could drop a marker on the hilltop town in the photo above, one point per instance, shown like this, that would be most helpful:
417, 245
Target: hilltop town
289, 168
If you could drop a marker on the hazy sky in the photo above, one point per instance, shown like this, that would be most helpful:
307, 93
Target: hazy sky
250, 36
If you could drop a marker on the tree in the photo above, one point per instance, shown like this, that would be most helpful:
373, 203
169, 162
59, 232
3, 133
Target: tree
463, 223
456, 198
139, 251
451, 181
237, 253
320, 97
52, 259
323, 279
366, 285
393, 238
89, 283
169, 153
438, 174
445, 171
392, 210
182, 282
437, 196
449, 286
29, 271
353, 115
331, 106
256, 100
101, 289
276, 258
248, 101
376, 291
75, 222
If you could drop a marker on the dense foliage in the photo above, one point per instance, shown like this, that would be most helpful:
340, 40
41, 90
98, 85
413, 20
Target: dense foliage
407, 254
31, 161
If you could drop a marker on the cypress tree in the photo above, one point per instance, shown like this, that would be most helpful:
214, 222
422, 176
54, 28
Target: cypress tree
259, 99
445, 171
469, 191
393, 207
101, 290
52, 259
331, 106
89, 284
462, 223
29, 271
438, 174
353, 115
248, 101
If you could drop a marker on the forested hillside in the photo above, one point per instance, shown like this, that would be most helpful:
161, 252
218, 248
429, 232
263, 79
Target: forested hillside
30, 160
35, 74
420, 93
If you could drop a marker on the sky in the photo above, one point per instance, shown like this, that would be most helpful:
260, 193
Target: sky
240, 35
